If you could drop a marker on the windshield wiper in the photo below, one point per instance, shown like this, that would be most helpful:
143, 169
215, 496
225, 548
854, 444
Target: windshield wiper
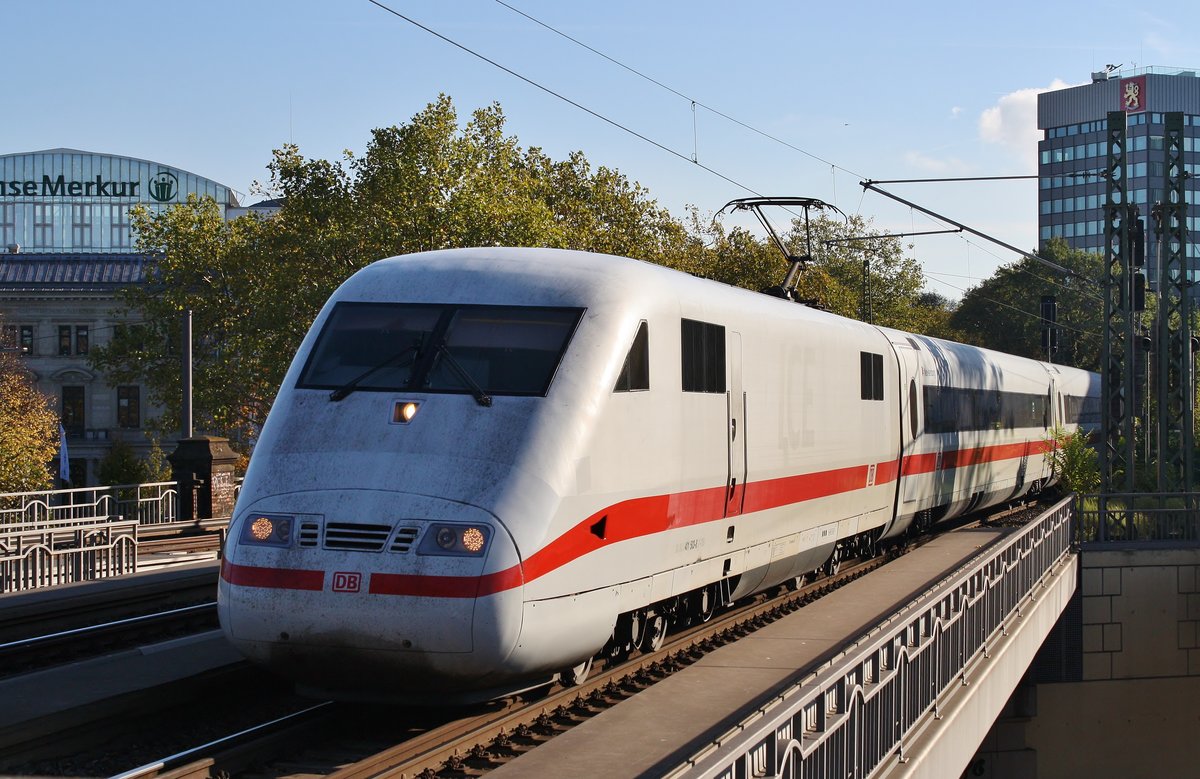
350, 386
481, 397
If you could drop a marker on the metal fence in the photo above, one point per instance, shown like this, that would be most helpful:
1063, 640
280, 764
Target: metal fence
145, 504
54, 537
47, 552
1156, 518
852, 716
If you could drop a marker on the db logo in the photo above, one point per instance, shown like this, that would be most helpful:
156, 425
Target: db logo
347, 581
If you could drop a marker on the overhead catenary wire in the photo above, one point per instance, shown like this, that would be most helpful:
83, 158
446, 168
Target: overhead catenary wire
566, 99
695, 103
694, 158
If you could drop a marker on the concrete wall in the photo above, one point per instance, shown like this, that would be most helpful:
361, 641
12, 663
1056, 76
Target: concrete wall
1136, 711
1141, 610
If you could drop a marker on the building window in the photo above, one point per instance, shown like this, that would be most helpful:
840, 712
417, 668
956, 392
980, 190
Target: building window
8, 225
635, 373
703, 356
119, 232
81, 226
19, 337
129, 407
43, 225
73, 420
80, 344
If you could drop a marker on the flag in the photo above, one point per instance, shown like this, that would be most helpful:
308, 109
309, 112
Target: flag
64, 464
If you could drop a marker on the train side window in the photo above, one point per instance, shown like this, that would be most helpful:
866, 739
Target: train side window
702, 352
635, 373
871, 375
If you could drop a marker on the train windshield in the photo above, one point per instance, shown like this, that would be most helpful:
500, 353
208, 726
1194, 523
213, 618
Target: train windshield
499, 350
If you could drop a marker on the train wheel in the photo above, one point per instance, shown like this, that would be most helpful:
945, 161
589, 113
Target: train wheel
655, 634
573, 677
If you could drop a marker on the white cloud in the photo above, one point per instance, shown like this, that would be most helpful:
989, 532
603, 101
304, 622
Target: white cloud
956, 112
1012, 122
926, 164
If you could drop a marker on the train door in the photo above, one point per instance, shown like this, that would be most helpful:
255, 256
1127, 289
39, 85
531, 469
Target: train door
736, 435
909, 487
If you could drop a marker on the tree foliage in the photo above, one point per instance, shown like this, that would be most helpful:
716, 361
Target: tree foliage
1075, 461
255, 284
28, 429
121, 465
847, 252
1004, 312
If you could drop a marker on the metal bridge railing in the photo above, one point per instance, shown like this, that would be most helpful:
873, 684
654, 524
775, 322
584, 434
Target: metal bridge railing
1172, 518
53, 537
852, 716
146, 504
61, 551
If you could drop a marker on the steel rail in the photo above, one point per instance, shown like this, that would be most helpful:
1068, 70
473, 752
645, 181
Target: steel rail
193, 759
72, 644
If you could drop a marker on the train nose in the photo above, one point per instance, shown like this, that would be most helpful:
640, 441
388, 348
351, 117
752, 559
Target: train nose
413, 594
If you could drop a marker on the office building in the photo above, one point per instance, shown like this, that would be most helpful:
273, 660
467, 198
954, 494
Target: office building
1073, 153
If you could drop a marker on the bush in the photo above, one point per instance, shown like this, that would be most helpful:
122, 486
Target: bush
1074, 461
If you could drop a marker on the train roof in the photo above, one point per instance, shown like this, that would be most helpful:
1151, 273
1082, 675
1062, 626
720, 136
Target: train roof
539, 276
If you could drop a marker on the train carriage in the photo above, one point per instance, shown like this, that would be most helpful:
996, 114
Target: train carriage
487, 466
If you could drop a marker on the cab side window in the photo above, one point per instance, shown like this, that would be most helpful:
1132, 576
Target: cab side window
703, 356
635, 373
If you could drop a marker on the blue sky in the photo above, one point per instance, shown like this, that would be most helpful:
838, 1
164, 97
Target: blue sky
879, 90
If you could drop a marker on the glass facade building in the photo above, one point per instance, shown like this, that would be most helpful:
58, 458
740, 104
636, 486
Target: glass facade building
63, 200
67, 250
1073, 152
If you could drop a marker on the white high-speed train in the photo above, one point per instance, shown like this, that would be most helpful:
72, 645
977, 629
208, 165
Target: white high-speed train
487, 466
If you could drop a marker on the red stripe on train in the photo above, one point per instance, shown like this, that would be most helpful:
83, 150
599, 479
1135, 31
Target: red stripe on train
635, 518
274, 578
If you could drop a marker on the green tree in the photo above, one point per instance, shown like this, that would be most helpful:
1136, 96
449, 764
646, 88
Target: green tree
932, 314
218, 269
1003, 312
158, 468
839, 266
121, 465
28, 429
734, 257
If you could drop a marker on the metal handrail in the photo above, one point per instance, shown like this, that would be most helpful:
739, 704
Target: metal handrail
852, 715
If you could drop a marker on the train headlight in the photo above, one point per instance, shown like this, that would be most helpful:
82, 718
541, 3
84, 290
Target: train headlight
403, 411
458, 540
447, 538
267, 530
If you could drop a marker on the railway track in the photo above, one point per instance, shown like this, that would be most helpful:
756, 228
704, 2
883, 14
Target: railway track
344, 741
25, 655
45, 612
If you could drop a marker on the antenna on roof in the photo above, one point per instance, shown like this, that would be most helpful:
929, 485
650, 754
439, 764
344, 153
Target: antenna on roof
796, 263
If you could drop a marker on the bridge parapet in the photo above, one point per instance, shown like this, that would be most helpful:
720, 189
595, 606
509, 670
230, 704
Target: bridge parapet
855, 716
